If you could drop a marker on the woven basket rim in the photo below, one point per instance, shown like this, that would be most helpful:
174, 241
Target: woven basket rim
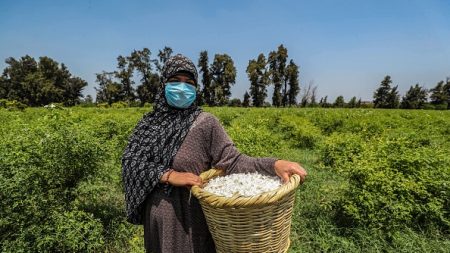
239, 201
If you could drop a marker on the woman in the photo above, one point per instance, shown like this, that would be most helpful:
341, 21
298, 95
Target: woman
167, 151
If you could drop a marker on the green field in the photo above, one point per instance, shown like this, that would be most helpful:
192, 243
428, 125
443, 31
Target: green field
379, 180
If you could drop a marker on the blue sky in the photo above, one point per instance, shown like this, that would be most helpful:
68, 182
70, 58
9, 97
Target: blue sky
344, 47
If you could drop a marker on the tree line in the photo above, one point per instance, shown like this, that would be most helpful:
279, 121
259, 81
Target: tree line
387, 96
36, 83
137, 78
217, 78
117, 85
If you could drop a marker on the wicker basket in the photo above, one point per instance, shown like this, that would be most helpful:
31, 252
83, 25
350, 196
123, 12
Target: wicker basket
249, 224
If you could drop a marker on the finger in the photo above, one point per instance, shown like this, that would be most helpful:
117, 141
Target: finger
192, 177
300, 171
299, 167
295, 170
195, 181
302, 178
285, 177
196, 178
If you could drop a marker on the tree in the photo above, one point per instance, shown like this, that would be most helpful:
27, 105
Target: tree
150, 81
124, 74
200, 100
393, 98
439, 96
223, 75
278, 74
69, 90
64, 87
339, 102
358, 104
352, 102
313, 101
447, 91
146, 92
307, 95
88, 99
246, 102
163, 56
415, 98
50, 71
72, 93
139, 61
235, 102
109, 91
207, 92
275, 78
294, 86
4, 85
40, 83
39, 90
324, 103
381, 94
384, 96
259, 79
16, 74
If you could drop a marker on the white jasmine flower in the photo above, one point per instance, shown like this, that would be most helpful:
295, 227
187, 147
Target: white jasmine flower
242, 184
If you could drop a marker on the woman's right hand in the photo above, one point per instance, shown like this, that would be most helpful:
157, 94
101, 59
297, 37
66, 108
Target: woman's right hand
184, 179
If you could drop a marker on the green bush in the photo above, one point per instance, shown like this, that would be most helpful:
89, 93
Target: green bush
329, 121
428, 106
3, 103
103, 105
299, 131
134, 103
340, 149
442, 106
226, 115
12, 105
397, 182
396, 165
252, 135
120, 104
42, 167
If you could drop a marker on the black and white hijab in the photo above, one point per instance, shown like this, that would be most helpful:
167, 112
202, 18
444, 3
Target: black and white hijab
155, 141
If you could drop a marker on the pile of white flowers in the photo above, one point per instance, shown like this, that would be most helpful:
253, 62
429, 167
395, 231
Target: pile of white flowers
50, 106
242, 184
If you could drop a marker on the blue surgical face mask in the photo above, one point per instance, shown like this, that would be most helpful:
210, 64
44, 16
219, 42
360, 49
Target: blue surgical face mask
180, 94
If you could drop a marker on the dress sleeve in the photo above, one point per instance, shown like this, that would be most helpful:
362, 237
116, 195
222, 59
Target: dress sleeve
224, 154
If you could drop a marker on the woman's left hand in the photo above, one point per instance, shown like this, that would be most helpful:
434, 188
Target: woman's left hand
285, 169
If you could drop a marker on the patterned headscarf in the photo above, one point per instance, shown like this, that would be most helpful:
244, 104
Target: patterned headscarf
178, 63
155, 142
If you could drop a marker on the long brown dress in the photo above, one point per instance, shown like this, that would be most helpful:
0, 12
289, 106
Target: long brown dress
176, 223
